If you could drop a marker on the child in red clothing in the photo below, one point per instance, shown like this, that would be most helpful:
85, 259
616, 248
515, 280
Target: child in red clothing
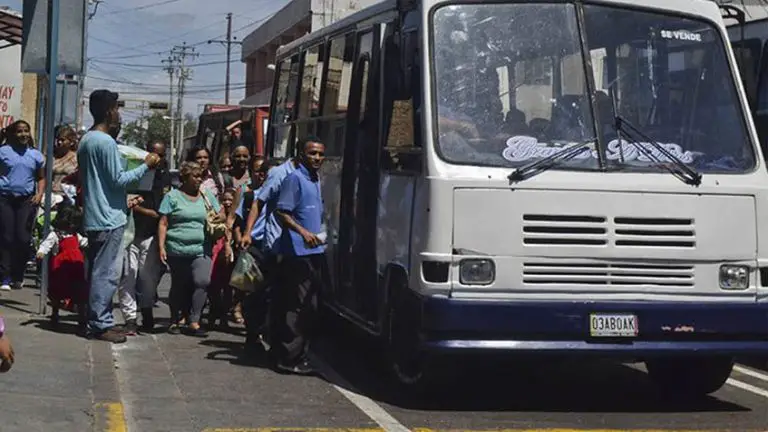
219, 291
67, 287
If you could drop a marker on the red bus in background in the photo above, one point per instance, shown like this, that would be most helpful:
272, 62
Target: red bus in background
216, 121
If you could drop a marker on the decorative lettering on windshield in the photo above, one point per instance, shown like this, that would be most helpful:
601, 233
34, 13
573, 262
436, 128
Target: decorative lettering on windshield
681, 35
525, 148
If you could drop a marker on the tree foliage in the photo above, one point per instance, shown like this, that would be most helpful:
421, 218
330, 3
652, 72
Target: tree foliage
154, 127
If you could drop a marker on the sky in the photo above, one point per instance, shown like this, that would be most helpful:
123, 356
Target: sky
128, 39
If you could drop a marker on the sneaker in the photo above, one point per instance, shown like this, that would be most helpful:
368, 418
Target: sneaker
130, 328
18, 285
5, 287
110, 335
301, 368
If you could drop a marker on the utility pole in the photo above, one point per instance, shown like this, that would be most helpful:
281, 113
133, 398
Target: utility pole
228, 42
181, 53
171, 69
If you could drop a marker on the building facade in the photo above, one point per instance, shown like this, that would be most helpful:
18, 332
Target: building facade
295, 19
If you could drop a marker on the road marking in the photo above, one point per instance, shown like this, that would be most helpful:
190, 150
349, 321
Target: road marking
111, 416
441, 430
747, 387
750, 372
364, 403
291, 430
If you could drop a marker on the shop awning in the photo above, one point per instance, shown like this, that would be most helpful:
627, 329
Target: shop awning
10, 29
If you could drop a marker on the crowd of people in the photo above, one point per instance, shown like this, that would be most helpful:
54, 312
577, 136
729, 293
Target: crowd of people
105, 240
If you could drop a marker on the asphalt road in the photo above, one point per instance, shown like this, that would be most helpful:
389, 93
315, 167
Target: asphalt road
169, 383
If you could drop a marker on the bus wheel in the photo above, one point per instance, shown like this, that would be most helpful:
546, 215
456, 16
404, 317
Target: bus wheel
693, 376
407, 363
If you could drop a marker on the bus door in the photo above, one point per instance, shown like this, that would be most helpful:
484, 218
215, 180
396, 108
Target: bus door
357, 282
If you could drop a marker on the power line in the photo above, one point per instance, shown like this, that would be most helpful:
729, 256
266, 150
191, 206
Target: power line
150, 85
147, 6
154, 66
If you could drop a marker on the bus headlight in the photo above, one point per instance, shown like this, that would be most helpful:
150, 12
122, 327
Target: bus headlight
734, 277
477, 272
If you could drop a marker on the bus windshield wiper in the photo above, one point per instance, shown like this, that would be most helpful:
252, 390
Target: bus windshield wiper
529, 170
680, 170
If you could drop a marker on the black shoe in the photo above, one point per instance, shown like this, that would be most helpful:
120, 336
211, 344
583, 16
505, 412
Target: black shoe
198, 332
301, 368
130, 328
110, 335
174, 329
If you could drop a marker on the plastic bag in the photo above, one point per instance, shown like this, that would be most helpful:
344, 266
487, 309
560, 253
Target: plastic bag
129, 233
246, 276
134, 157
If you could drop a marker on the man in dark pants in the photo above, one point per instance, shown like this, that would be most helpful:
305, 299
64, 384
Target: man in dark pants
145, 215
302, 246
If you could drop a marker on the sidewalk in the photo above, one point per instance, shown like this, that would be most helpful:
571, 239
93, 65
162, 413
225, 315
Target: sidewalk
60, 381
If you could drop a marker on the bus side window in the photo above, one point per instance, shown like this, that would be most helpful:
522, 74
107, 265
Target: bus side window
336, 89
401, 149
284, 106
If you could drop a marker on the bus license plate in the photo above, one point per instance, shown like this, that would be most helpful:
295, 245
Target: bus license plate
613, 325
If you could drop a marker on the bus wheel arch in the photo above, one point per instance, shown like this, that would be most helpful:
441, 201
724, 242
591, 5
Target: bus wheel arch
406, 361
693, 376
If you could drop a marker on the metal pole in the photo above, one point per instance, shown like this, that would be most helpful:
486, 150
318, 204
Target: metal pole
181, 107
53, 73
63, 104
81, 78
229, 52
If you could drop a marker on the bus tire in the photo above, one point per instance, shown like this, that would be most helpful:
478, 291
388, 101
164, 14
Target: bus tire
693, 376
407, 363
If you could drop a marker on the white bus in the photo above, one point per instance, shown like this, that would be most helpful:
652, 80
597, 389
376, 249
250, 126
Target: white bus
557, 178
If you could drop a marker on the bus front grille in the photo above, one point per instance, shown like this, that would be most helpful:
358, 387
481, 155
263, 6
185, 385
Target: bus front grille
654, 232
617, 275
564, 230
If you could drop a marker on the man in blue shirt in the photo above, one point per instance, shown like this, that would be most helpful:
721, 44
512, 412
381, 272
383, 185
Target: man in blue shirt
266, 202
255, 305
104, 213
299, 209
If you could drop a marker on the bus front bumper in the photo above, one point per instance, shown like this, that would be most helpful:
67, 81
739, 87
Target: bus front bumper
664, 328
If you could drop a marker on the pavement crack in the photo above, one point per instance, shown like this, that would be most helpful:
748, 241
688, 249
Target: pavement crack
195, 423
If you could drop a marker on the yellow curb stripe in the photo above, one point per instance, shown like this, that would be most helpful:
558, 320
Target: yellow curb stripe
442, 430
110, 417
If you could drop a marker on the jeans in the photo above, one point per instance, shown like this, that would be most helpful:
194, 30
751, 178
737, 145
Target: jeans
105, 253
17, 216
190, 277
141, 257
151, 271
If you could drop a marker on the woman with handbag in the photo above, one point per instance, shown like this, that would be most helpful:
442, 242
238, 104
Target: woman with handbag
190, 224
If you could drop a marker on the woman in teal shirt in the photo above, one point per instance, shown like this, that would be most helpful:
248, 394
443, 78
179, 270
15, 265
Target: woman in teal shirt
185, 248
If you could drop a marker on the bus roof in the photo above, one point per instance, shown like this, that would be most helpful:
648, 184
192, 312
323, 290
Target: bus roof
349, 21
703, 8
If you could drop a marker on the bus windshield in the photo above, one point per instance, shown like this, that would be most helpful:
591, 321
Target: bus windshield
510, 87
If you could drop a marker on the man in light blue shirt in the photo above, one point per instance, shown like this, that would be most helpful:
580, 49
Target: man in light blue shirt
104, 184
266, 202
303, 271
